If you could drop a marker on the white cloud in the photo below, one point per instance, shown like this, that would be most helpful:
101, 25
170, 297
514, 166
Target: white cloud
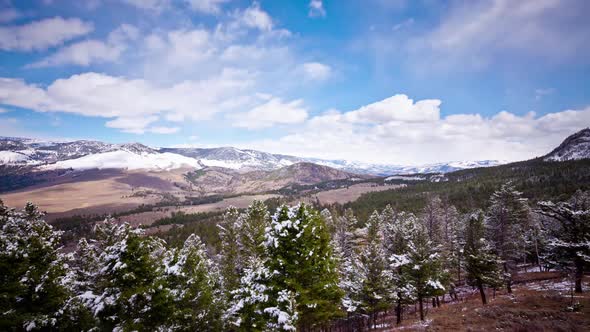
254, 17
316, 9
43, 34
9, 14
87, 52
398, 108
316, 71
181, 47
134, 103
206, 6
400, 131
272, 112
475, 33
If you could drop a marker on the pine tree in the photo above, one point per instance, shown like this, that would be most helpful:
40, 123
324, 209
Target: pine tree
195, 287
246, 311
423, 271
32, 271
253, 224
231, 260
452, 240
347, 261
507, 221
129, 290
375, 275
569, 235
432, 219
398, 235
481, 264
303, 283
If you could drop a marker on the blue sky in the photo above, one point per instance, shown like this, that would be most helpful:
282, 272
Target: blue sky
393, 81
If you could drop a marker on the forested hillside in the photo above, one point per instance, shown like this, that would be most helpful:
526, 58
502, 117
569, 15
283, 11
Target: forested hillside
471, 189
293, 268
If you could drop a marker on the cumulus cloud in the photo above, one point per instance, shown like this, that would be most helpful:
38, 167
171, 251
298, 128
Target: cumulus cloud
134, 103
316, 71
400, 131
270, 113
253, 17
316, 9
87, 52
43, 34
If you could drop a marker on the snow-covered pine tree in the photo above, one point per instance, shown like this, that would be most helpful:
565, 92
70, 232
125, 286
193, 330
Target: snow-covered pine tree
328, 220
452, 241
195, 285
432, 219
130, 291
398, 234
347, 261
32, 271
423, 271
507, 220
230, 260
481, 264
246, 310
569, 235
252, 227
303, 284
375, 275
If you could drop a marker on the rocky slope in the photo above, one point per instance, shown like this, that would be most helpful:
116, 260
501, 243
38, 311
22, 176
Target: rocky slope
575, 147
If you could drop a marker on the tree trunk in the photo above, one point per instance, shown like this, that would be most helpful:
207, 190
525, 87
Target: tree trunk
482, 292
508, 280
398, 310
437, 302
579, 275
421, 308
433, 303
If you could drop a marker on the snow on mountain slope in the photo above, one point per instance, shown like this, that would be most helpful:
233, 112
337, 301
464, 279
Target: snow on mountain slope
576, 146
12, 158
127, 160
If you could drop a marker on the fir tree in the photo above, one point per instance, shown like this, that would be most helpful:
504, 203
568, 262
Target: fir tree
231, 262
423, 270
130, 290
569, 235
507, 221
195, 287
482, 265
252, 227
375, 275
32, 271
303, 279
399, 232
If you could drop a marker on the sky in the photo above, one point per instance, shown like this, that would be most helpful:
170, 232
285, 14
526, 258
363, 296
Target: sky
383, 81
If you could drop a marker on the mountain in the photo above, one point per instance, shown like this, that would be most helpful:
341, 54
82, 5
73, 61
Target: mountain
248, 160
85, 154
575, 147
237, 159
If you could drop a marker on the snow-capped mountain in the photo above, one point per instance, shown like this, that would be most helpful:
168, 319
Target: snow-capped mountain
93, 154
576, 146
236, 159
82, 155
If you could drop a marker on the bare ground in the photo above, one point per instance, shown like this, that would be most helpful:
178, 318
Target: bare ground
534, 305
349, 194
